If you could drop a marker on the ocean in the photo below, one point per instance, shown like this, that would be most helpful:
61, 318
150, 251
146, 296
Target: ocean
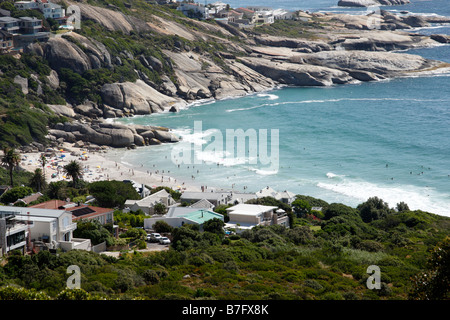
343, 143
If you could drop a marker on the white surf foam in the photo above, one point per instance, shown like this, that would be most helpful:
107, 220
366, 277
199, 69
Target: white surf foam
263, 172
268, 96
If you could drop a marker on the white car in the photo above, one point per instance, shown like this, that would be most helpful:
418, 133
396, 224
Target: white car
154, 237
164, 240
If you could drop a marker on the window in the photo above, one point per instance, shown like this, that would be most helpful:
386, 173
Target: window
15, 238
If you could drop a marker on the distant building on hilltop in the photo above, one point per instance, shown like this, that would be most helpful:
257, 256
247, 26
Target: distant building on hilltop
48, 9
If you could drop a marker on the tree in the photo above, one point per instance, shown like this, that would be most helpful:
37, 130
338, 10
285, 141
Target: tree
73, 169
434, 284
111, 194
214, 226
338, 209
15, 193
159, 208
93, 230
373, 209
402, 207
43, 161
162, 227
301, 207
37, 181
11, 159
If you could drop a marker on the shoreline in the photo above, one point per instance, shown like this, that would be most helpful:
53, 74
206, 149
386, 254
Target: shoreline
97, 167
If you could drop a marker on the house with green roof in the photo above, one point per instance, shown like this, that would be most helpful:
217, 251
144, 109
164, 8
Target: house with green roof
198, 217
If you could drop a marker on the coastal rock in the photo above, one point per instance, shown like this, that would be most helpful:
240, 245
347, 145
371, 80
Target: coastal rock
441, 38
63, 110
67, 136
53, 80
292, 73
61, 53
165, 136
387, 64
139, 140
312, 46
89, 109
415, 21
199, 77
109, 19
95, 50
34, 48
22, 82
138, 97
148, 134
383, 41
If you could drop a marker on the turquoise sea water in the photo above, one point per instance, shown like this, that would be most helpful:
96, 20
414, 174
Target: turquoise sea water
343, 143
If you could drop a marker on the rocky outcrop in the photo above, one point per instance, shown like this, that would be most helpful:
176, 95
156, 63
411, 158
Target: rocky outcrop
368, 3
61, 53
111, 134
380, 64
199, 77
441, 38
62, 110
305, 46
297, 74
137, 98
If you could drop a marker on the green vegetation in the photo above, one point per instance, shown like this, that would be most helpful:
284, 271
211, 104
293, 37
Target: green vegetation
320, 259
112, 193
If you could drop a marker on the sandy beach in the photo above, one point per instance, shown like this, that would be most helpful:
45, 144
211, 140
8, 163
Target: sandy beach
96, 167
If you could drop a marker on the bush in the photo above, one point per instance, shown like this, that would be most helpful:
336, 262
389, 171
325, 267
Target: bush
371, 246
300, 235
162, 227
15, 193
373, 209
338, 209
151, 276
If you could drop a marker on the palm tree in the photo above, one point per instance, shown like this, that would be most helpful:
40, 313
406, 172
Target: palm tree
11, 159
43, 161
37, 181
73, 169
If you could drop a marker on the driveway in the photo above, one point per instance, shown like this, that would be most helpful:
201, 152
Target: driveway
150, 247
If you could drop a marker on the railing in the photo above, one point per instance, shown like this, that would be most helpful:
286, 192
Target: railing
71, 226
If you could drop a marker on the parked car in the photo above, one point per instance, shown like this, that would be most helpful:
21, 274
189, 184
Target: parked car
164, 240
153, 237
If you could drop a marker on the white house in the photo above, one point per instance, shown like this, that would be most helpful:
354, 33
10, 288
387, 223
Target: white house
52, 228
26, 5
148, 203
49, 9
247, 216
281, 14
196, 10
284, 196
13, 233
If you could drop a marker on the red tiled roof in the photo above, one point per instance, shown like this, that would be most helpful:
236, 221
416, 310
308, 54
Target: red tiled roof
51, 204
